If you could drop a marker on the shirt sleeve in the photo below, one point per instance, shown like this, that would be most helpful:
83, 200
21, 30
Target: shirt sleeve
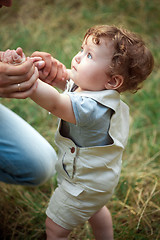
86, 109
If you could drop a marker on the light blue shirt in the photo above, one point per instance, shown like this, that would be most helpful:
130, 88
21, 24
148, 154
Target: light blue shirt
92, 122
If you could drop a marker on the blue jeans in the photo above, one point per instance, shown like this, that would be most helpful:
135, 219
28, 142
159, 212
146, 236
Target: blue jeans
26, 158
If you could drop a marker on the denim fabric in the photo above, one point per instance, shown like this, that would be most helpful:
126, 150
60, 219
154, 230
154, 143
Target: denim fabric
26, 158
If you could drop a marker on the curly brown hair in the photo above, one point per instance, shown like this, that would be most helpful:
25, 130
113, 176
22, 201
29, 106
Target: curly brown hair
131, 58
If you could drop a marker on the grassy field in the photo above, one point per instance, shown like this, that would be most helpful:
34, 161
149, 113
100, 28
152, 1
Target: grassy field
57, 26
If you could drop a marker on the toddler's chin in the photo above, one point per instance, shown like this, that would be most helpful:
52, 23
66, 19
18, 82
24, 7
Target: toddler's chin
71, 74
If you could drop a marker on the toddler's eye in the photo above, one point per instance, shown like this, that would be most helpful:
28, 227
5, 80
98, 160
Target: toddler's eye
89, 56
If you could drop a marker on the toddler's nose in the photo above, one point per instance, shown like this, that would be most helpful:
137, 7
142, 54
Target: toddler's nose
78, 58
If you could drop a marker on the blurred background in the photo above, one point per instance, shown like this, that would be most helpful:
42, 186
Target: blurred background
58, 27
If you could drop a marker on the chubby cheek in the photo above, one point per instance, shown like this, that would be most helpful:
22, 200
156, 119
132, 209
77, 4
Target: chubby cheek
88, 72
72, 62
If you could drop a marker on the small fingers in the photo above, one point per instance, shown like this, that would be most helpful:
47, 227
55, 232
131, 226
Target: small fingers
19, 51
59, 75
7, 56
53, 73
39, 64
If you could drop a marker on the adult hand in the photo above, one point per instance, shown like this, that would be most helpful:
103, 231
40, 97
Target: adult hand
54, 72
18, 81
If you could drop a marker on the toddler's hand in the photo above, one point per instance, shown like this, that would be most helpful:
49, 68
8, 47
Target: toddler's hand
59, 75
17, 57
13, 56
54, 72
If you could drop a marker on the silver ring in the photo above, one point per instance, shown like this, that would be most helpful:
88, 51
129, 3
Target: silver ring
19, 87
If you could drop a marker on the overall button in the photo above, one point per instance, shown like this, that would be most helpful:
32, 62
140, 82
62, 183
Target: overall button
72, 149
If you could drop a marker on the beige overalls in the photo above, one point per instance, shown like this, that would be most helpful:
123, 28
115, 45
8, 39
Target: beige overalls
87, 176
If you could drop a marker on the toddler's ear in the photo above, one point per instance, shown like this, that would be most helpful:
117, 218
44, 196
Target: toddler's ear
114, 82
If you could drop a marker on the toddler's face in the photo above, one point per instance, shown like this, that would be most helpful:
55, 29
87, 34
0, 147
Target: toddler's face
90, 66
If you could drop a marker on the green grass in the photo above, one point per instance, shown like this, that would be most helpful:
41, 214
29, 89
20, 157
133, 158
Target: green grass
57, 27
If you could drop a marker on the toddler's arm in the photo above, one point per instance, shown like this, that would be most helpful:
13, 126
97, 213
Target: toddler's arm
48, 97
58, 104
50, 69
44, 94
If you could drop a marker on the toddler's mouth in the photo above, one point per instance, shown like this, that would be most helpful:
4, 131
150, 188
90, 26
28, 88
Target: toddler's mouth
74, 68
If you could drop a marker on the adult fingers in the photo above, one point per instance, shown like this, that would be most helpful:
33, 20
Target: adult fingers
10, 74
21, 95
19, 70
20, 87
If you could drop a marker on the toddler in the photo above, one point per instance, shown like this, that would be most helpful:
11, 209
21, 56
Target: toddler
93, 127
